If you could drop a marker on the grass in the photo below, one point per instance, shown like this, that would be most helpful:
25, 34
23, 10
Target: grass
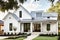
46, 38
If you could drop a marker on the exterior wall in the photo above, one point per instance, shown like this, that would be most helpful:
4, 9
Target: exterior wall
51, 18
53, 28
25, 14
13, 21
44, 16
58, 25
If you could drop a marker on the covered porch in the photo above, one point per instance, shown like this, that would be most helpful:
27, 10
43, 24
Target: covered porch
42, 27
31, 27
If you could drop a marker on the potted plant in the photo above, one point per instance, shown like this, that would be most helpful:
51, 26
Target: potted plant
14, 28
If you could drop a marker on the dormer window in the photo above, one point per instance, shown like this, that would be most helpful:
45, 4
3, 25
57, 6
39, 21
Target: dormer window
20, 14
9, 17
36, 0
38, 14
25, 0
48, 17
32, 18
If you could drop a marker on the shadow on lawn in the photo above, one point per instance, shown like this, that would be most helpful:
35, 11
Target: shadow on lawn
58, 35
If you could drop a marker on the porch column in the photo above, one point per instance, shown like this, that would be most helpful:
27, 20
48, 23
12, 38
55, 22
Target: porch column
41, 27
31, 27
22, 28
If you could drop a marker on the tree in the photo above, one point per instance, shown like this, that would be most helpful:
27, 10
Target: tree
4, 5
52, 1
21, 1
55, 8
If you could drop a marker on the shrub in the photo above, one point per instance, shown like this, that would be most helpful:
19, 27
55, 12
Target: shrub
29, 34
4, 34
48, 34
58, 33
11, 33
8, 33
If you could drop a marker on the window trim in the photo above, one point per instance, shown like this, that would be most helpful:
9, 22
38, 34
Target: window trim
20, 14
48, 27
38, 14
48, 17
10, 26
36, 0
25, 0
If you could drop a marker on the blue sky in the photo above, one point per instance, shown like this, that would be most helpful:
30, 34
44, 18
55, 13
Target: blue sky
41, 5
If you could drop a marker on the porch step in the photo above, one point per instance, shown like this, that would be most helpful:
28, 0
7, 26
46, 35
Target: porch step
32, 36
35, 33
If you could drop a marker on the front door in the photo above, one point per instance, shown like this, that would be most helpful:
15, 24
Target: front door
37, 28
26, 27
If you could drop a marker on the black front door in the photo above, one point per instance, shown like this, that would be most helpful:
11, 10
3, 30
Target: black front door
26, 27
37, 27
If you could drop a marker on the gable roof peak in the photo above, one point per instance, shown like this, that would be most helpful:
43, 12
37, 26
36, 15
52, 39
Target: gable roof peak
14, 15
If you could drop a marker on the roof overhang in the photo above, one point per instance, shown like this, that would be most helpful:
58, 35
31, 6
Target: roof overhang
24, 21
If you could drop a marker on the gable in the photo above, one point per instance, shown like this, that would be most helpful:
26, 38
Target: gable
25, 13
11, 16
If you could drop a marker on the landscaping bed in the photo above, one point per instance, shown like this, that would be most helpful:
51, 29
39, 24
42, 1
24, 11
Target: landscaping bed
20, 38
48, 35
20, 34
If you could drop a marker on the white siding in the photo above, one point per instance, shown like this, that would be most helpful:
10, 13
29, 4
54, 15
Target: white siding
51, 18
12, 20
25, 14
53, 27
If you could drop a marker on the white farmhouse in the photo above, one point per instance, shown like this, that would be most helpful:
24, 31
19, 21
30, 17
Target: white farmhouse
21, 21
28, 18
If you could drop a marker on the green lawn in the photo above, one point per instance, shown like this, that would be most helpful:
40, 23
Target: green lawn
46, 38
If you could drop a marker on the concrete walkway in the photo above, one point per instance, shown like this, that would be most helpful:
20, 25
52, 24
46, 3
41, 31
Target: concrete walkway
3, 37
32, 36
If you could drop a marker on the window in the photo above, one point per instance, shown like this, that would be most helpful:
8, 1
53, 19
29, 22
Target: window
38, 14
48, 17
25, 0
20, 14
9, 17
32, 18
48, 27
10, 26
36, 0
